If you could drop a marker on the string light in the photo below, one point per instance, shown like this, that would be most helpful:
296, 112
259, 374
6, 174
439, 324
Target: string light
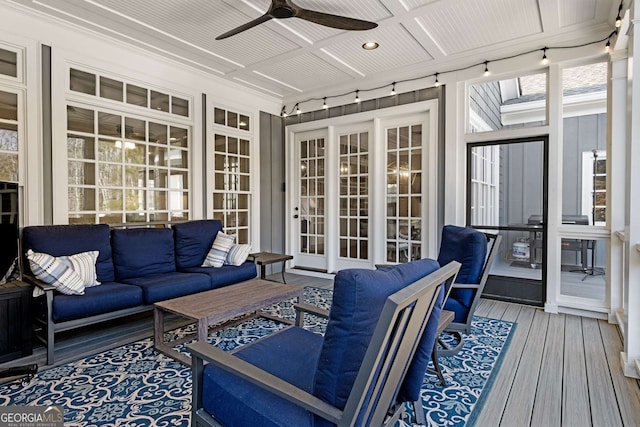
545, 60
618, 17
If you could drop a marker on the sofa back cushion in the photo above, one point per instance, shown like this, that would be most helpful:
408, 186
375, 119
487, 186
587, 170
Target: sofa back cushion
65, 240
358, 298
139, 252
193, 240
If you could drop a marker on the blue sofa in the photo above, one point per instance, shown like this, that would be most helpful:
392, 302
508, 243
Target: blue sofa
136, 267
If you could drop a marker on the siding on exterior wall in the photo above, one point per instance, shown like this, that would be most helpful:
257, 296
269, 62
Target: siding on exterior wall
485, 100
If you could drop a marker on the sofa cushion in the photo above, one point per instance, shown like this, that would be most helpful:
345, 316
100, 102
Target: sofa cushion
291, 355
193, 239
159, 287
60, 240
227, 274
107, 297
139, 252
349, 330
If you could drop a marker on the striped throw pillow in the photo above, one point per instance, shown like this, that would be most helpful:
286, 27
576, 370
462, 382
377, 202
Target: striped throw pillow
237, 254
51, 270
84, 264
218, 252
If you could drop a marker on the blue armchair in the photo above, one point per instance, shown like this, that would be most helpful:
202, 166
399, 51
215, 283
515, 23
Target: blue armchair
476, 251
371, 359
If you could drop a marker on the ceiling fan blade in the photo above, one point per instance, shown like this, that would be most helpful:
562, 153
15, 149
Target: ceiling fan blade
334, 21
241, 28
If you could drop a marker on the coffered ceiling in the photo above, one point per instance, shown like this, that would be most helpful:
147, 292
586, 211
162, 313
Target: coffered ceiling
296, 59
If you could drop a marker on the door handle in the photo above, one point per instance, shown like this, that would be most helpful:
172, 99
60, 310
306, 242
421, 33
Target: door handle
296, 216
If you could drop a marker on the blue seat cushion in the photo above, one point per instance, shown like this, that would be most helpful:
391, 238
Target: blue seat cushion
159, 287
358, 298
291, 355
64, 240
105, 298
141, 252
227, 274
469, 247
193, 239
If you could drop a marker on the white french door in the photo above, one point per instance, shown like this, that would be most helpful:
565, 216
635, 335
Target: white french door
363, 192
309, 200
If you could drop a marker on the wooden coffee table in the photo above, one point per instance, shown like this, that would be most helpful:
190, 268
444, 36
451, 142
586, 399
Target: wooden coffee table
217, 307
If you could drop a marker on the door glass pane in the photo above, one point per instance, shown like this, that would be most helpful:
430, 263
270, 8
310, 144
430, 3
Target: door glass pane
583, 268
404, 191
354, 196
311, 197
8, 105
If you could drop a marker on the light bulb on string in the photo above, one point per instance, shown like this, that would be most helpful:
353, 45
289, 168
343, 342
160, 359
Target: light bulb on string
324, 103
486, 68
283, 112
298, 110
437, 83
545, 60
393, 89
607, 46
357, 97
618, 18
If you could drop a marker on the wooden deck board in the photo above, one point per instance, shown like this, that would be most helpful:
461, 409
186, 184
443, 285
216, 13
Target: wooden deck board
602, 398
519, 405
494, 405
575, 395
627, 390
547, 407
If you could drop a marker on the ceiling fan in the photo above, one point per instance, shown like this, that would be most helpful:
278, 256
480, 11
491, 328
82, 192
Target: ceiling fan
281, 9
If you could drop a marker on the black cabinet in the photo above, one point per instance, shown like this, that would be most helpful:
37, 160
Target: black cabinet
15, 321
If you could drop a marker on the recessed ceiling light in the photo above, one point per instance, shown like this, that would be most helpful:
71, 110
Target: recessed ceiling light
370, 45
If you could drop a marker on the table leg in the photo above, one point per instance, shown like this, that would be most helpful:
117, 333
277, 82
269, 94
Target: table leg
263, 268
203, 330
158, 327
284, 264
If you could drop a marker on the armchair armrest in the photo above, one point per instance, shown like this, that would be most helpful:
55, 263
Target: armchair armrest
465, 286
204, 352
302, 308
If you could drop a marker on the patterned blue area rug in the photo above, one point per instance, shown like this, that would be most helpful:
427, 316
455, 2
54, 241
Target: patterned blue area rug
133, 385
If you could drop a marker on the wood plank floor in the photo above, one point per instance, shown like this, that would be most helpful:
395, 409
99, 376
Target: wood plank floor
559, 370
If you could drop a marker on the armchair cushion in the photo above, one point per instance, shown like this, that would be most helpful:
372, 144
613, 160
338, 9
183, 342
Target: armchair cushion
349, 330
142, 252
236, 402
469, 247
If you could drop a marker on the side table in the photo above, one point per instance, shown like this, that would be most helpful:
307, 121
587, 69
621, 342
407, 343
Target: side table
265, 258
15, 320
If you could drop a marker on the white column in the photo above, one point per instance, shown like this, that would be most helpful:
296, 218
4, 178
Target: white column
616, 186
631, 354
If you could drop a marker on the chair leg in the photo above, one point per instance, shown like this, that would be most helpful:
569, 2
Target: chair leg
436, 365
451, 351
